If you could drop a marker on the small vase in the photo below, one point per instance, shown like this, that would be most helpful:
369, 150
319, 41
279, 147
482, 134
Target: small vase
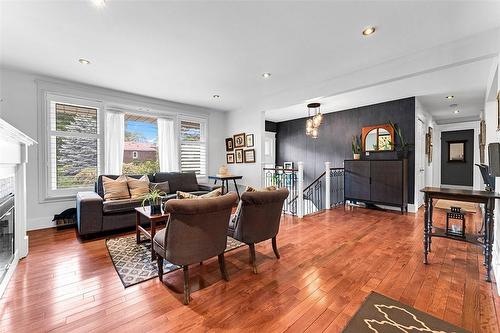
357, 156
155, 207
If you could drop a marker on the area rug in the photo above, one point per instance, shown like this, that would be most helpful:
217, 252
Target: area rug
467, 207
133, 263
380, 314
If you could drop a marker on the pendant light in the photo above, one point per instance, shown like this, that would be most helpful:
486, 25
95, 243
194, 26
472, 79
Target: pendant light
313, 122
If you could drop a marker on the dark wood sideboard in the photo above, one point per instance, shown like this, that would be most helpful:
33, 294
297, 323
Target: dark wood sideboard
383, 182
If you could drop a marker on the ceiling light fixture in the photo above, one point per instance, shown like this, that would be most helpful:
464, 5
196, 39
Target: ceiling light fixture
313, 122
99, 3
84, 61
266, 75
216, 96
368, 31
450, 97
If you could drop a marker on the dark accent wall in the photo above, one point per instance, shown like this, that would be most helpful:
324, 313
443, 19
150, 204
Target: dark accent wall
271, 126
457, 173
335, 136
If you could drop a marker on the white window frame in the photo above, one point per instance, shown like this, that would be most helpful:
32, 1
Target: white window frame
135, 155
203, 121
45, 162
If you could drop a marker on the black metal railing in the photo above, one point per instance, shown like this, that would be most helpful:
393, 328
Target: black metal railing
336, 186
280, 177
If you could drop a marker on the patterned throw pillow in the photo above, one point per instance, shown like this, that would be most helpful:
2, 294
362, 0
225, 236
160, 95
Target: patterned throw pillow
138, 188
185, 195
265, 189
237, 212
115, 189
163, 186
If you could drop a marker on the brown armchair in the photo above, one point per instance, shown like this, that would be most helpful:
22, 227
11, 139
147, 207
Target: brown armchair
196, 231
258, 219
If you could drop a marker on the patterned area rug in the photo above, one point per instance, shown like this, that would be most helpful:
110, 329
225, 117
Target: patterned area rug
380, 314
133, 261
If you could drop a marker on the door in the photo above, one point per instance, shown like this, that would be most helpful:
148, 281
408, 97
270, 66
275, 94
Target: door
270, 150
386, 182
420, 162
357, 180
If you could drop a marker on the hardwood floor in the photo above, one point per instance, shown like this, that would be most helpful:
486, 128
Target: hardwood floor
329, 263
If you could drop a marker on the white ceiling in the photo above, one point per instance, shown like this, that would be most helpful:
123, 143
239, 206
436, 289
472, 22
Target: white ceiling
188, 51
467, 82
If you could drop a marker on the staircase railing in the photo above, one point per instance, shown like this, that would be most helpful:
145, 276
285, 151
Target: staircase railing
288, 178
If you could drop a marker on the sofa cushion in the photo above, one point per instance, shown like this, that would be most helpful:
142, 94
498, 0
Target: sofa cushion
164, 187
115, 189
178, 181
138, 188
120, 206
213, 194
98, 188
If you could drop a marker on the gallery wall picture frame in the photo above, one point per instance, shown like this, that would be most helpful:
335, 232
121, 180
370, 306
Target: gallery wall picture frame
230, 158
238, 155
249, 155
456, 151
229, 144
288, 165
239, 140
249, 140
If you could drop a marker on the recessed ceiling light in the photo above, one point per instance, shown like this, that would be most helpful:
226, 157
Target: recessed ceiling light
368, 31
84, 61
216, 96
456, 111
99, 3
266, 75
450, 97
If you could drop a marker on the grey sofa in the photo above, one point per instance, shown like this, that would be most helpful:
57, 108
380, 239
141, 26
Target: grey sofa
95, 215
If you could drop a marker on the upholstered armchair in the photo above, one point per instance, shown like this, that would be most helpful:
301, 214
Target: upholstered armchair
195, 231
258, 219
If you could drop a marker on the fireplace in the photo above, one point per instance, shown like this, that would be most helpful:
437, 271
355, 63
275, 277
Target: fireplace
7, 230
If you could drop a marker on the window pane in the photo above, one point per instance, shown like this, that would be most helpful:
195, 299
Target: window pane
190, 131
193, 158
140, 155
71, 118
74, 162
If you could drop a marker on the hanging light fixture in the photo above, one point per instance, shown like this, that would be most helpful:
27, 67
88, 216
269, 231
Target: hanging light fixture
313, 122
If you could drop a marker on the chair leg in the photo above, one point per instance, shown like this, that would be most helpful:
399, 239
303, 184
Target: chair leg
222, 266
159, 261
252, 257
186, 284
275, 248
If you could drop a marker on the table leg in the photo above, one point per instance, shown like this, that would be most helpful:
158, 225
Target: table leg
236, 187
215, 181
222, 186
431, 209
153, 232
426, 227
137, 223
488, 240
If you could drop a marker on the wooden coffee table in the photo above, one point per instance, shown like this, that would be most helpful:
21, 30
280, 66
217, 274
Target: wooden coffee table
153, 220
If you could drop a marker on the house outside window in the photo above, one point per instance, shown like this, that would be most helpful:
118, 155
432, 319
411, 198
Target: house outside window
140, 155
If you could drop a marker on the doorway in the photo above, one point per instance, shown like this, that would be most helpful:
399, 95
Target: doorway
457, 158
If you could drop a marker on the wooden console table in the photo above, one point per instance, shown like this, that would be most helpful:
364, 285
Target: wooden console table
481, 197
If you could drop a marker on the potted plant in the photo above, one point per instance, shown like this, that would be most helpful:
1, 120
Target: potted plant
356, 147
403, 148
154, 198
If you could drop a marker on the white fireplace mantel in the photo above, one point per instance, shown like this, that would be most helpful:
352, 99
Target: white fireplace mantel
13, 158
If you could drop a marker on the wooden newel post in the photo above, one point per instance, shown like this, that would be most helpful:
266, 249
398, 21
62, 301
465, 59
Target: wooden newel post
327, 185
300, 190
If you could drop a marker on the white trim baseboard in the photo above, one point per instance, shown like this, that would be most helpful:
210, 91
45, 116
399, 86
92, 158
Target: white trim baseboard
40, 223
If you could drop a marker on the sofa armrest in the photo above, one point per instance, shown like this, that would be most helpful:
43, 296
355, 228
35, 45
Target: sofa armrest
88, 212
207, 187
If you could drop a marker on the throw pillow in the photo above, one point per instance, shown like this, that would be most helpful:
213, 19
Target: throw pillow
213, 194
265, 189
138, 188
163, 186
236, 215
115, 189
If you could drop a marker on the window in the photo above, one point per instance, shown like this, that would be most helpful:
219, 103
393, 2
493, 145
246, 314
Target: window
193, 146
140, 155
73, 146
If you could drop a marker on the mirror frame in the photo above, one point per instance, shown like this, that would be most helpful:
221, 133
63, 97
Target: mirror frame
368, 129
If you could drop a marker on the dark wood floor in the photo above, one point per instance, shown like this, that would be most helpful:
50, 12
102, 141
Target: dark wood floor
330, 262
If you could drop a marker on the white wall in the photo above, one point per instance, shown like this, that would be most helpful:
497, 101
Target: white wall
18, 91
250, 123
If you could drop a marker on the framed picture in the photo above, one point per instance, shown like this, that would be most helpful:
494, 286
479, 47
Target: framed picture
239, 141
229, 144
249, 140
428, 145
288, 165
498, 111
230, 158
482, 140
238, 155
250, 156
456, 151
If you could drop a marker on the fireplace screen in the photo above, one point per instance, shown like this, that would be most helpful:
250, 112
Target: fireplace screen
6, 233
